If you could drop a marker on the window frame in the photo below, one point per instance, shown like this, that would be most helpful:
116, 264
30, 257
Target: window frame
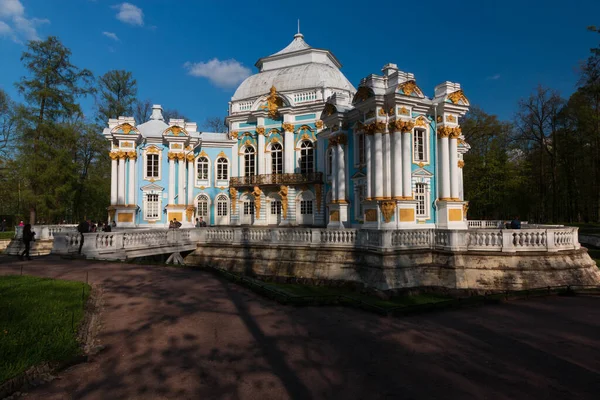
301, 160
222, 202
200, 161
246, 154
151, 151
207, 197
425, 135
274, 152
425, 196
218, 168
146, 201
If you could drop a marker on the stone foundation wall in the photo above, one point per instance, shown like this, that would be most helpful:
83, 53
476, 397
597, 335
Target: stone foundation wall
404, 269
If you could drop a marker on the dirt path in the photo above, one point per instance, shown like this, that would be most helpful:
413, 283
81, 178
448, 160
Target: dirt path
181, 334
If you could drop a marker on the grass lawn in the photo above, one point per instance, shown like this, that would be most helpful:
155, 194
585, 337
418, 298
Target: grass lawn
306, 290
7, 235
38, 321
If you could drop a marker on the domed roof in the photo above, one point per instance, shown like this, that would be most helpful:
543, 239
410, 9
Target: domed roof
296, 67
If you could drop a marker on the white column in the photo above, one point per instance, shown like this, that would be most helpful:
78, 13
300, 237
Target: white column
190, 182
131, 188
378, 171
341, 172
181, 182
444, 168
461, 188
113, 182
406, 167
334, 173
368, 158
171, 181
387, 165
121, 184
397, 165
454, 168
261, 155
288, 152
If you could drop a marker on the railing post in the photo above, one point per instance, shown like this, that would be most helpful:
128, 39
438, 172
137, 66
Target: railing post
457, 240
550, 243
237, 235
575, 235
315, 236
386, 240
507, 241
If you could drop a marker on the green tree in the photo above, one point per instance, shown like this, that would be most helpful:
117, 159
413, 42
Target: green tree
117, 91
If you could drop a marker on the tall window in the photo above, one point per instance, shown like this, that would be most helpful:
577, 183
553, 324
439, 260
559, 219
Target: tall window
152, 206
248, 208
306, 207
222, 169
276, 159
419, 145
420, 196
202, 168
202, 206
249, 161
360, 139
329, 161
152, 165
307, 165
222, 205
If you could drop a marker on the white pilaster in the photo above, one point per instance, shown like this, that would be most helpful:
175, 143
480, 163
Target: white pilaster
334, 175
181, 182
171, 181
368, 161
378, 170
121, 184
341, 173
406, 166
190, 182
397, 165
444, 168
261, 155
132, 181
288, 152
387, 165
454, 168
113, 182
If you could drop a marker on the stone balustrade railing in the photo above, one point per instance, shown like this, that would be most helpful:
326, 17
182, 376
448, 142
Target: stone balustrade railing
475, 223
44, 232
130, 243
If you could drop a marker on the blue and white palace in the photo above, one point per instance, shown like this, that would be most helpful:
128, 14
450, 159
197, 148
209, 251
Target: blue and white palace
304, 147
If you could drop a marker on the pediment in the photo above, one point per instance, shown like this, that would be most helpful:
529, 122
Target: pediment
422, 172
358, 175
152, 187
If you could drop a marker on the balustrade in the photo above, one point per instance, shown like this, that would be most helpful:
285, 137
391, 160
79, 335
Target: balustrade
487, 240
276, 179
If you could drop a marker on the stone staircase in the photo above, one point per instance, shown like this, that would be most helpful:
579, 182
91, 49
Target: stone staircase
39, 247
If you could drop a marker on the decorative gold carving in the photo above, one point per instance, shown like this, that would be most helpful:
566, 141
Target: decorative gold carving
188, 147
450, 118
256, 193
273, 103
190, 157
334, 216
122, 154
379, 127
202, 187
283, 192
456, 132
318, 191
421, 121
113, 155
111, 214
132, 155
233, 194
287, 127
172, 156
127, 144
371, 215
452, 133
388, 209
234, 134
152, 150
392, 111
203, 154
401, 126
382, 112
439, 119
461, 141
189, 212
404, 111
465, 209
248, 142
461, 163
421, 165
260, 130
177, 146
410, 87
341, 139
126, 128
305, 137
180, 156
457, 96
319, 124
443, 132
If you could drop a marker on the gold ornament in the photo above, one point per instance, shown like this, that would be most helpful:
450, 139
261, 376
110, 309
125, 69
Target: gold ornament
319, 124
410, 87
260, 130
461, 163
457, 96
234, 134
113, 155
382, 112
388, 208
233, 194
421, 121
334, 216
256, 193
404, 111
450, 118
371, 215
273, 103
287, 127
283, 192
190, 157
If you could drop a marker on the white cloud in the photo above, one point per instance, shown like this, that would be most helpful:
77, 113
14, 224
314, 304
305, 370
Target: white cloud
493, 77
11, 8
130, 14
225, 74
12, 11
111, 35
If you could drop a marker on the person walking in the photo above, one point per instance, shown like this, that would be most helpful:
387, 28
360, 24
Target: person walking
28, 237
202, 223
84, 227
3, 226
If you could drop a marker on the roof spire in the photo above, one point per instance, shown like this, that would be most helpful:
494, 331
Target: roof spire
298, 35
298, 25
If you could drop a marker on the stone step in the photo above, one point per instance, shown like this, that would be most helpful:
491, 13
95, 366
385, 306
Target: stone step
38, 248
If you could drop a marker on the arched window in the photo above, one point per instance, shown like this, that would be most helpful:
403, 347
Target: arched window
329, 161
222, 205
249, 161
307, 164
222, 168
202, 168
276, 158
202, 206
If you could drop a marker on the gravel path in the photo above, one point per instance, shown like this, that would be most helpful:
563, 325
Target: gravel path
175, 333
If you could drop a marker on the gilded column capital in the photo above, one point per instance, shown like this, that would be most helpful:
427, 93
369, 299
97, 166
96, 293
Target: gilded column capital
319, 124
379, 127
234, 134
121, 154
113, 155
401, 126
171, 155
180, 156
288, 127
260, 130
461, 163
190, 157
455, 132
443, 132
132, 155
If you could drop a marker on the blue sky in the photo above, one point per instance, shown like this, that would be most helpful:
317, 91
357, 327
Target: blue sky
190, 55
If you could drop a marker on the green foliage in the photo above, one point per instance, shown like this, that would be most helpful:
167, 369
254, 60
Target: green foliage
117, 93
38, 321
7, 235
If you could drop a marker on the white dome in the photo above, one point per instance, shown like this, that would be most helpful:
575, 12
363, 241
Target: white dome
298, 77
